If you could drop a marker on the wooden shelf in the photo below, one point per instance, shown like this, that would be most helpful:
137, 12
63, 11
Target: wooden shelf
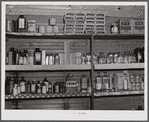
99, 94
119, 66
72, 36
48, 95
46, 67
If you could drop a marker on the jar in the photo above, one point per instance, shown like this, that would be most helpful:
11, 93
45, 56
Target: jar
52, 21
115, 55
48, 29
55, 29
42, 29
110, 58
114, 28
83, 82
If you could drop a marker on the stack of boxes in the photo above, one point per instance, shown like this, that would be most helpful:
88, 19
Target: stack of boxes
95, 24
74, 23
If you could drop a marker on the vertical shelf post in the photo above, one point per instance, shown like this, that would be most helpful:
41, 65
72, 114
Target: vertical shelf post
92, 72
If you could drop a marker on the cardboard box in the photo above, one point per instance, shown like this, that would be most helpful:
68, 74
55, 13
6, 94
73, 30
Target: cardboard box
72, 58
43, 57
138, 26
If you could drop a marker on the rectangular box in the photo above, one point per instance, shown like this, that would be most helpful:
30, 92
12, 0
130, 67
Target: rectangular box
72, 58
138, 26
43, 57
67, 58
125, 26
62, 61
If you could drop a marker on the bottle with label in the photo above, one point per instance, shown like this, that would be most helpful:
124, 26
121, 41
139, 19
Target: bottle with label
83, 59
44, 88
33, 87
17, 57
89, 88
21, 58
11, 83
38, 87
21, 23
125, 82
37, 56
56, 59
98, 80
22, 85
15, 89
137, 82
106, 84
46, 82
11, 56
134, 57
56, 87
142, 83
50, 87
83, 83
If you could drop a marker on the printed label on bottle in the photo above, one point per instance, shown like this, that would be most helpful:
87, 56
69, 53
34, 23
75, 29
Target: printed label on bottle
106, 85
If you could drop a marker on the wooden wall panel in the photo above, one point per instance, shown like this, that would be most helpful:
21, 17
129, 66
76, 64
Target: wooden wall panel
52, 104
118, 103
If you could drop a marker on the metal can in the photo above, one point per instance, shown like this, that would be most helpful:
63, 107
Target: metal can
51, 59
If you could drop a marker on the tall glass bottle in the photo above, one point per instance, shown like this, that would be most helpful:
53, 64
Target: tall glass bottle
105, 82
22, 85
21, 23
125, 82
37, 56
98, 81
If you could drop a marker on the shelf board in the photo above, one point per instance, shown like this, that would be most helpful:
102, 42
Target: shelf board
46, 67
72, 36
99, 94
48, 95
119, 66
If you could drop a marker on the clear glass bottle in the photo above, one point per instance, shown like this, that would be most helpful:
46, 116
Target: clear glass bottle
88, 58
95, 58
98, 80
100, 58
110, 58
125, 82
105, 82
121, 58
47, 84
19, 88
37, 56
126, 58
83, 82
44, 91
56, 87
21, 23
115, 58
15, 89
22, 85
25, 57
21, 58
56, 59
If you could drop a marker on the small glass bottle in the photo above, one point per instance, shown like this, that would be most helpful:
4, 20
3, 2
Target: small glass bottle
25, 57
38, 87
121, 58
126, 58
7, 85
137, 82
56, 87
83, 82
44, 88
89, 88
28, 87
11, 83
50, 87
15, 90
105, 82
95, 58
19, 88
98, 80
11, 56
114, 83
125, 82
22, 85
115, 58
56, 59
21, 58
47, 84
17, 57
33, 87
37, 56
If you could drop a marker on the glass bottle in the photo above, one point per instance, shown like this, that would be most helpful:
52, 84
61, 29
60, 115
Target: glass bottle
17, 57
44, 88
126, 58
88, 58
47, 84
110, 58
56, 59
94, 58
21, 23
21, 58
33, 87
125, 82
11, 83
89, 89
115, 58
98, 80
28, 87
139, 55
22, 85
15, 89
56, 87
19, 88
100, 58
38, 87
11, 56
83, 59
83, 82
25, 57
121, 58
37, 56
114, 83
7, 85
50, 87
105, 82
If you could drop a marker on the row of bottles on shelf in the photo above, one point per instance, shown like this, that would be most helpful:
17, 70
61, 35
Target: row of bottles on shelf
38, 57
102, 83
